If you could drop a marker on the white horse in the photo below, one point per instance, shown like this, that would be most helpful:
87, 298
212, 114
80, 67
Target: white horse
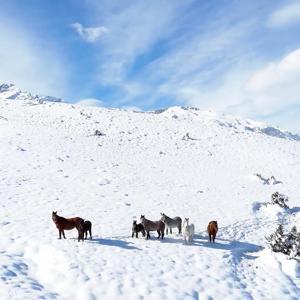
188, 231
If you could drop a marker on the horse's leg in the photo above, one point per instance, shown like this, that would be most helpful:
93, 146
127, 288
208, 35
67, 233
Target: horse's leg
214, 236
59, 233
158, 231
162, 234
148, 235
179, 228
209, 238
171, 230
80, 235
132, 234
136, 234
167, 230
63, 232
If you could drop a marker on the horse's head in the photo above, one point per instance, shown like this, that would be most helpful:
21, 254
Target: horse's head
134, 222
142, 218
163, 217
54, 215
186, 220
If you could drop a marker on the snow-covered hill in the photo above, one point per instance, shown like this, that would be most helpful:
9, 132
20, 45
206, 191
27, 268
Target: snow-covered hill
180, 161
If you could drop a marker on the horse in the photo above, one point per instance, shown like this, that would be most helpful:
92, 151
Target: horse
68, 224
158, 226
87, 227
212, 230
188, 231
171, 223
136, 228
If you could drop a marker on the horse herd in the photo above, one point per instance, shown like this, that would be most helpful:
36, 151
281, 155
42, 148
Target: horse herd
164, 223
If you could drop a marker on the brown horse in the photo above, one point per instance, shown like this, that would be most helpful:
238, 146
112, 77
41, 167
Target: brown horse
212, 230
68, 224
158, 226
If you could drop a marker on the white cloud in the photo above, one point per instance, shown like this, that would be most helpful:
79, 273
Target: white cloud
89, 34
27, 64
90, 102
286, 15
276, 87
282, 73
269, 93
134, 28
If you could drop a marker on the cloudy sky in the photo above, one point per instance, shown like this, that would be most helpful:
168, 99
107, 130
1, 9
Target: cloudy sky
238, 57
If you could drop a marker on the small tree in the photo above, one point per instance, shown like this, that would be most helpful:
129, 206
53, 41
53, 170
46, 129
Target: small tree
288, 244
290, 239
277, 240
295, 251
279, 199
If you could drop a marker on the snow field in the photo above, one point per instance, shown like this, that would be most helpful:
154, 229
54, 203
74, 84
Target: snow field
51, 160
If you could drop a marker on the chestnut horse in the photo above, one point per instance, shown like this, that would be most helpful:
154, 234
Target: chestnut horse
212, 230
68, 224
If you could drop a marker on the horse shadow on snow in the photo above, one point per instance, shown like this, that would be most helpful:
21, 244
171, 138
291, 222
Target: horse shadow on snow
237, 249
114, 243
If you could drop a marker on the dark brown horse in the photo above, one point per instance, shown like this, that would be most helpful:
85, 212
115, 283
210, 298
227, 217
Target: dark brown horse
68, 224
212, 230
136, 228
87, 227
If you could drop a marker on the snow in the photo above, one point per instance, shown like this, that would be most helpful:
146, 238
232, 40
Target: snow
51, 160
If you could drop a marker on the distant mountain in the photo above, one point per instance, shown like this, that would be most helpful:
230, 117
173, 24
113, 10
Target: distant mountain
9, 91
237, 124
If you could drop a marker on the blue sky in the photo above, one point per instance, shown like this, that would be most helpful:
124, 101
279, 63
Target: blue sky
237, 57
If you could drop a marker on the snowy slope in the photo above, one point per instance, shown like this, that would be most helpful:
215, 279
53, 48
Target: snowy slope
180, 161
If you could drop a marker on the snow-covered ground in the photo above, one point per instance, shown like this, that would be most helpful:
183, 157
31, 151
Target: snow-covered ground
180, 161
